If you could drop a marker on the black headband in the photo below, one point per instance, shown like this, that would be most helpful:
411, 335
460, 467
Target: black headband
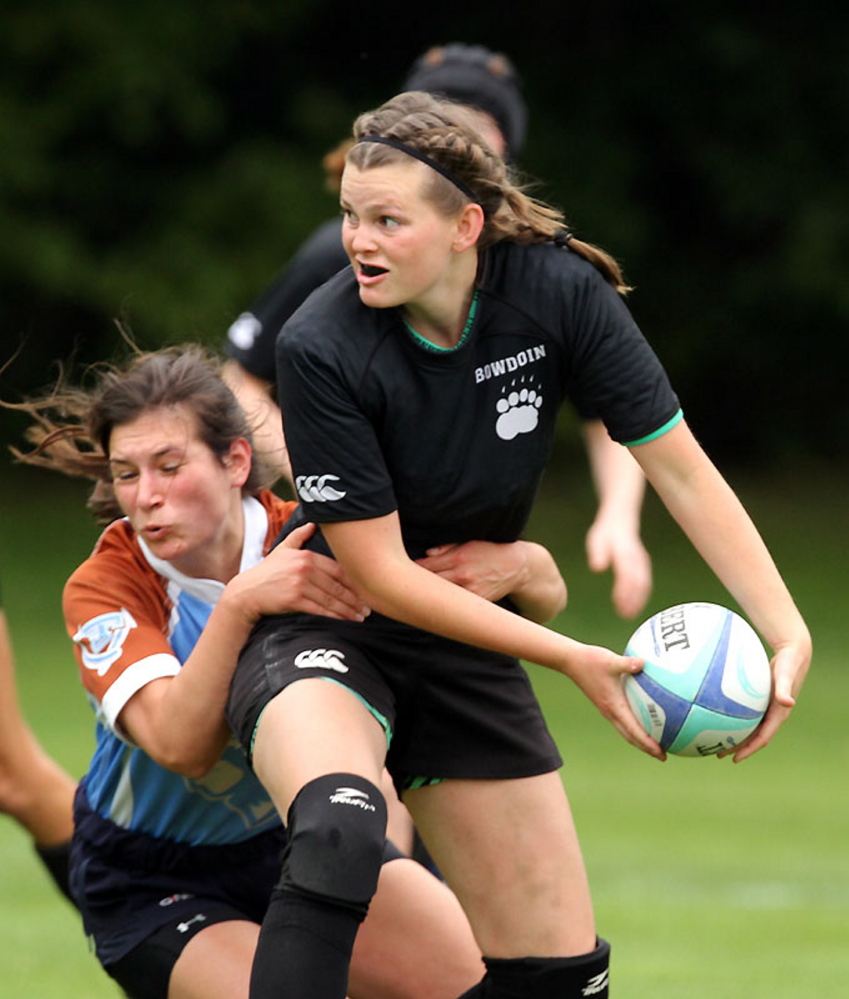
424, 158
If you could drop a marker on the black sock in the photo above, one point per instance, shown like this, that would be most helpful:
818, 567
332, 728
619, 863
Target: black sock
582, 977
56, 860
304, 949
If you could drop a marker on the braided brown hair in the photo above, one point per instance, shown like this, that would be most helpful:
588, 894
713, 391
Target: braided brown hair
444, 131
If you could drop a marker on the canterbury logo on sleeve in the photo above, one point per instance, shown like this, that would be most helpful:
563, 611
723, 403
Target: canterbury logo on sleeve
318, 488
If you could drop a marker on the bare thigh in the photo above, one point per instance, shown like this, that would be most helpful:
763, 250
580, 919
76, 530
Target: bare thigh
216, 964
510, 851
311, 728
416, 942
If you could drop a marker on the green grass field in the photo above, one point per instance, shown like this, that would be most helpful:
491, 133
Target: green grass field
710, 879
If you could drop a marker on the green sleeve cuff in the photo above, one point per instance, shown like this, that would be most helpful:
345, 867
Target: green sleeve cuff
677, 418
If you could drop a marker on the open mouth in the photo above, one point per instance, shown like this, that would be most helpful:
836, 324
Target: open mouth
369, 270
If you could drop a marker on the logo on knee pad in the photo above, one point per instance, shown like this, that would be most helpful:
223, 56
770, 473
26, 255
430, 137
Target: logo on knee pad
321, 659
351, 796
598, 983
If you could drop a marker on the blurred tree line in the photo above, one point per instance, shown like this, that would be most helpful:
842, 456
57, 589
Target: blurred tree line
161, 161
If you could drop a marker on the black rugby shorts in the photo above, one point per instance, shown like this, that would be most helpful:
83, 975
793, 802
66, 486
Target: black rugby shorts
452, 710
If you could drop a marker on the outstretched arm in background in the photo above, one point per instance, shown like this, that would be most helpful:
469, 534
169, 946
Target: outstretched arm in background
613, 540
34, 790
264, 415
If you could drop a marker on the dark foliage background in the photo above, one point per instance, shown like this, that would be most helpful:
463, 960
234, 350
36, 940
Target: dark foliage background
160, 161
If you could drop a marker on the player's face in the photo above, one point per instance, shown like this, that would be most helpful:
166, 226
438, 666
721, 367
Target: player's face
177, 494
402, 250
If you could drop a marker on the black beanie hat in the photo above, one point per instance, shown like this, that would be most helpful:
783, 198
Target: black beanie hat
477, 76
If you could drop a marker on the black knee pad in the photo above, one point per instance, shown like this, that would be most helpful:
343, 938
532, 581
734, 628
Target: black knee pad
337, 834
546, 977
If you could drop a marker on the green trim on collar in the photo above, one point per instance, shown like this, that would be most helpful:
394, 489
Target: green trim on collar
464, 336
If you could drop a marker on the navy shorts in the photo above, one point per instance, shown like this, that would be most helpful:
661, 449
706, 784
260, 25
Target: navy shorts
142, 899
452, 710
128, 885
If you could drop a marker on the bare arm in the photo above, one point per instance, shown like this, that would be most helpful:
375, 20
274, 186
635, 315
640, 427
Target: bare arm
34, 789
373, 556
179, 721
522, 570
264, 416
613, 540
713, 518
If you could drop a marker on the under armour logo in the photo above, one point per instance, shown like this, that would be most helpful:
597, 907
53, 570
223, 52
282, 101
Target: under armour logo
321, 659
598, 983
317, 488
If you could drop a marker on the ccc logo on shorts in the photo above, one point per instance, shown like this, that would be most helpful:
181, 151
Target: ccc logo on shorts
321, 659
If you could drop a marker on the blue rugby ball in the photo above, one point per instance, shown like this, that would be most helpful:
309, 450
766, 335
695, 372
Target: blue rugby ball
706, 683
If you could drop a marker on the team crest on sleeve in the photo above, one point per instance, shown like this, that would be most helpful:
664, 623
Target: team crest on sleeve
101, 639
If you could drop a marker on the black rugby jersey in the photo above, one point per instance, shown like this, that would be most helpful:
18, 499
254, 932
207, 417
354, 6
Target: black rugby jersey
457, 441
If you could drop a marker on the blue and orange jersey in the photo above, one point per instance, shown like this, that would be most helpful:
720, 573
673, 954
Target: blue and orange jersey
133, 619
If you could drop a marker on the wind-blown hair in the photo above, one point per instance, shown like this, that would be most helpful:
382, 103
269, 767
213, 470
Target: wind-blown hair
444, 131
72, 426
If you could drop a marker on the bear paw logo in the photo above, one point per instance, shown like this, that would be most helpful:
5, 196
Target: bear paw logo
518, 413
